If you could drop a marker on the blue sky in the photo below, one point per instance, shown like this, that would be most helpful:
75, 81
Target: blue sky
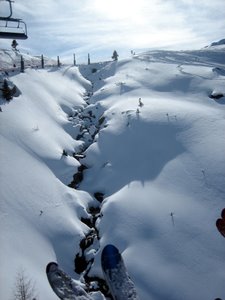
63, 27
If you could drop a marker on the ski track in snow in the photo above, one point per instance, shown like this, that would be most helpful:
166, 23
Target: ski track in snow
142, 144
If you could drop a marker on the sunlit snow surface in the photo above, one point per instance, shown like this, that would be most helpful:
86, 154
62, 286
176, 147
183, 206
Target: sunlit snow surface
159, 160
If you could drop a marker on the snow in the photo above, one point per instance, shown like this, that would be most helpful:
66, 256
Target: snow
34, 175
157, 156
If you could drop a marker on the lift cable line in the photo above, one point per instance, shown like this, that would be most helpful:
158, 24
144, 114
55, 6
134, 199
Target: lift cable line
12, 28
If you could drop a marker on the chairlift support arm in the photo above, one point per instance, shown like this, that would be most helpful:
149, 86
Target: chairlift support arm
10, 8
22, 34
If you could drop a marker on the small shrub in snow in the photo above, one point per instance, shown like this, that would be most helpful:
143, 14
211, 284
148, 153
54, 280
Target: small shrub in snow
14, 45
7, 93
115, 55
74, 59
172, 218
168, 117
64, 153
101, 120
140, 103
24, 288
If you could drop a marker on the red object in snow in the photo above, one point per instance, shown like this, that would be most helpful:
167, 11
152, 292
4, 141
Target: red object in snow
220, 223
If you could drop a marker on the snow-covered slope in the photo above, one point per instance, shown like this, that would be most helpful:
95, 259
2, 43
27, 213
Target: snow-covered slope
39, 213
10, 60
160, 163
153, 144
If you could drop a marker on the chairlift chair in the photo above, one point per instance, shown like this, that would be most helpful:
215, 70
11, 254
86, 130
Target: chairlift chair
12, 28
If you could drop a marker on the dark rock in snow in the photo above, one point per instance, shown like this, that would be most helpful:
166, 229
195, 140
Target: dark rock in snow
99, 196
80, 264
216, 95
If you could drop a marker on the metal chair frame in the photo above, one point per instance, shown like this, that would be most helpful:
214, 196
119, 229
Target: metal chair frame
13, 28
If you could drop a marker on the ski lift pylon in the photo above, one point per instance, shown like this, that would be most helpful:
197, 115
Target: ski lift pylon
12, 28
